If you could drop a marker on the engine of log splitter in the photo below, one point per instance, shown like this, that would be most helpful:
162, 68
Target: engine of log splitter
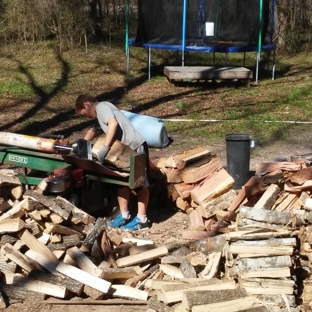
65, 182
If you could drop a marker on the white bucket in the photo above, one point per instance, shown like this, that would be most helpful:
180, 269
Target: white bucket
209, 28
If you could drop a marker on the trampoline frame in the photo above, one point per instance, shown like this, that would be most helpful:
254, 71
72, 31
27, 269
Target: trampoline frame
268, 47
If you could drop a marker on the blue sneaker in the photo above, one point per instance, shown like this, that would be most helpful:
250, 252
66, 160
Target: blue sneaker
135, 224
118, 221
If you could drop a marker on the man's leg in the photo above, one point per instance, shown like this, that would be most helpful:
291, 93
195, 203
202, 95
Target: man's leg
143, 197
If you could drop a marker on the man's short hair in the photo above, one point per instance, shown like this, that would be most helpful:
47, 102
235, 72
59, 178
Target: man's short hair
82, 98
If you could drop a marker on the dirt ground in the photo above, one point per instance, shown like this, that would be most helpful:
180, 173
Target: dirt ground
168, 223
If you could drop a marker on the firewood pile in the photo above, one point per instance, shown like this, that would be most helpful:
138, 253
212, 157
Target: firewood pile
244, 250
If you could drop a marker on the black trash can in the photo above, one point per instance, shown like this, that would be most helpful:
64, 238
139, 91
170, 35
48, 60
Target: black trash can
238, 158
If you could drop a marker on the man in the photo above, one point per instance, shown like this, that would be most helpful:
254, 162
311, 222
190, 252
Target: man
117, 127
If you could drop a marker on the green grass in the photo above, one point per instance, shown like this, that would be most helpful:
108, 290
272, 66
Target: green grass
43, 86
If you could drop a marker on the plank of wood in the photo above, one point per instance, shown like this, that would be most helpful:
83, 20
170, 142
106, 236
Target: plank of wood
11, 225
19, 258
16, 211
180, 160
49, 203
127, 292
173, 293
190, 299
142, 257
83, 277
219, 183
194, 174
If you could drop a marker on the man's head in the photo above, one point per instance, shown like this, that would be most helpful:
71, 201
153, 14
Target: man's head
85, 105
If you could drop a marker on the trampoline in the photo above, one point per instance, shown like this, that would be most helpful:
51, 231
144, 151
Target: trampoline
209, 26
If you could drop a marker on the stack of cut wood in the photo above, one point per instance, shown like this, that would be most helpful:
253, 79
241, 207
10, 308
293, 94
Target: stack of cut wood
199, 185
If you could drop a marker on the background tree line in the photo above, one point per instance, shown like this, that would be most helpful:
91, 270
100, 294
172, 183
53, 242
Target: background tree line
80, 22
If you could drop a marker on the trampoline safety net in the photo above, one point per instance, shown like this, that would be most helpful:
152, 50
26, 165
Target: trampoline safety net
211, 22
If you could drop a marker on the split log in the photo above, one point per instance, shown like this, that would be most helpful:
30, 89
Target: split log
142, 257
133, 281
72, 285
287, 203
273, 166
196, 221
127, 292
199, 171
34, 244
7, 267
301, 176
11, 225
118, 273
99, 226
172, 259
222, 202
242, 195
259, 286
55, 218
60, 229
190, 299
4, 239
17, 192
211, 268
187, 269
17, 257
20, 293
173, 293
210, 244
171, 271
77, 215
258, 233
7, 204
266, 273
49, 203
83, 277
8, 177
262, 250
181, 160
245, 265
273, 242
269, 197
184, 189
36, 215
93, 293
43, 287
3, 303
83, 262
16, 211
217, 184
182, 204
68, 241
118, 155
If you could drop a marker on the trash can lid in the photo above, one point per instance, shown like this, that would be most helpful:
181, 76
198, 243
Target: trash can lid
238, 137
